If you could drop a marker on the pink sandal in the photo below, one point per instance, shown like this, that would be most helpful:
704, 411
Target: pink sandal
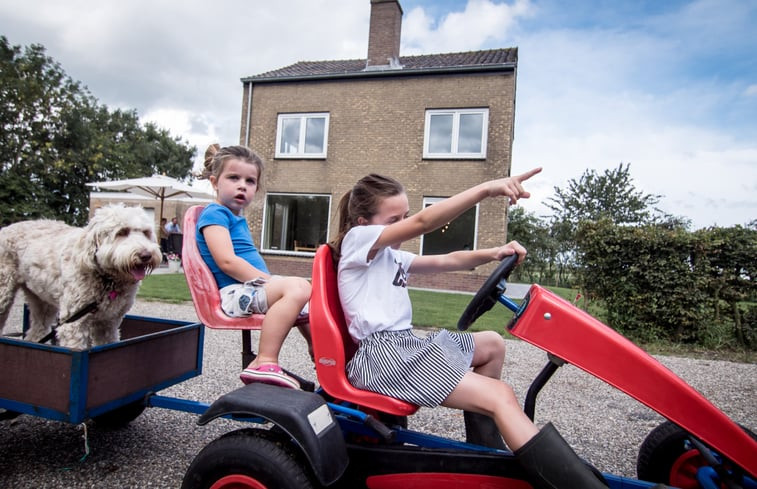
268, 373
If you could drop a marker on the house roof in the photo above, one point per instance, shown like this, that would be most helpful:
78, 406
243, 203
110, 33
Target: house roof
493, 59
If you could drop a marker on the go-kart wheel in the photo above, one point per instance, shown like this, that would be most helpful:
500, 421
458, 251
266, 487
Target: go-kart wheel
488, 294
246, 459
666, 457
121, 416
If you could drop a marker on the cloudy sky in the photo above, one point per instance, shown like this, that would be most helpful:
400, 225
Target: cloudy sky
667, 86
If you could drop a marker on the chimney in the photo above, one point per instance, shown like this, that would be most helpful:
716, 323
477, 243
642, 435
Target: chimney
384, 34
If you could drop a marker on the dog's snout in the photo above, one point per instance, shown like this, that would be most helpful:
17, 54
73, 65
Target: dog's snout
145, 256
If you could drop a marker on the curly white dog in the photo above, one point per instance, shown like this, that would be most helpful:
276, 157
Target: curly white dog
82, 279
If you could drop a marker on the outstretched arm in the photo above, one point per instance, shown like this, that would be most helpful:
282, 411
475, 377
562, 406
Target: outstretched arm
435, 216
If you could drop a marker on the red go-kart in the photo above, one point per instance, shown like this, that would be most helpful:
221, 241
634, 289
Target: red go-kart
340, 436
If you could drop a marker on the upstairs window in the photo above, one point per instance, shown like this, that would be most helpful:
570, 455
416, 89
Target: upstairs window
456, 133
302, 135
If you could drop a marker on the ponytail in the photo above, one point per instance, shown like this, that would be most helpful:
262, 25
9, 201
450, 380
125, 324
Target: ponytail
344, 225
362, 201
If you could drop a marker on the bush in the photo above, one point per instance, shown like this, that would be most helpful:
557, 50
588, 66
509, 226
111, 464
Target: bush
670, 284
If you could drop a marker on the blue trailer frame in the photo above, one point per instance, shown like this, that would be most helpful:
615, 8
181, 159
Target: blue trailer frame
72, 385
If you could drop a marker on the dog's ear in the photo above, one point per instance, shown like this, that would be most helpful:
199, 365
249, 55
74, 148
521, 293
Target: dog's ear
87, 248
90, 239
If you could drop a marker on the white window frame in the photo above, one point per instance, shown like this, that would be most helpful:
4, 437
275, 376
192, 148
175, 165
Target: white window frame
454, 153
433, 200
303, 118
264, 227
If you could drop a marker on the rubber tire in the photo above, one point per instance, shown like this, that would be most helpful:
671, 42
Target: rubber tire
664, 452
247, 458
120, 417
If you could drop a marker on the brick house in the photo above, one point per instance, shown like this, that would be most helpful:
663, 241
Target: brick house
438, 123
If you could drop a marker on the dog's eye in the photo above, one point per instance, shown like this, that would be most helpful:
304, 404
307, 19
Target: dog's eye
123, 232
148, 233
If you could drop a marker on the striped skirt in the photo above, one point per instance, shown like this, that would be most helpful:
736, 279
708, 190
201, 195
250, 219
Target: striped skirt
420, 370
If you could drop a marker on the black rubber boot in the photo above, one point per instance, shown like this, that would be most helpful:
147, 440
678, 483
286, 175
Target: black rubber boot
552, 464
482, 430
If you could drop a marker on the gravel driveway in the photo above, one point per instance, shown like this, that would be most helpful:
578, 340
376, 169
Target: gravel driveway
603, 425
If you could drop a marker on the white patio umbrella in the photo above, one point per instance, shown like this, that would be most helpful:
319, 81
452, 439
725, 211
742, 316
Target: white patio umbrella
157, 186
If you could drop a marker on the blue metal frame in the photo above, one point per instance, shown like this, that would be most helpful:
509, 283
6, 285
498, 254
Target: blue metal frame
77, 396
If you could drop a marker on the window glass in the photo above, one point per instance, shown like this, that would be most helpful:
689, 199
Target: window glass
458, 234
314, 134
440, 133
290, 135
295, 222
471, 126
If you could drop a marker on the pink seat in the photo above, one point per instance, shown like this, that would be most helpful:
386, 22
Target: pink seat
204, 290
202, 284
333, 346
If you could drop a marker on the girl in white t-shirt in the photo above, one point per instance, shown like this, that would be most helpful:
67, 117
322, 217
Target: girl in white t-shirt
457, 370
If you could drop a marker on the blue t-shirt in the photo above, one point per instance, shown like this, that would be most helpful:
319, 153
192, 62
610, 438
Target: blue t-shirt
241, 239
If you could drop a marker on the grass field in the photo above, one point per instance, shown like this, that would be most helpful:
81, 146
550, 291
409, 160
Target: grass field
430, 308
443, 309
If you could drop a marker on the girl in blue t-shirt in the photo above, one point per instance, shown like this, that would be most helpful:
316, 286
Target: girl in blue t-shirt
245, 284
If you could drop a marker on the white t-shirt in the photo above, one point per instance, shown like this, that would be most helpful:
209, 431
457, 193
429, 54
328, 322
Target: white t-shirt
373, 293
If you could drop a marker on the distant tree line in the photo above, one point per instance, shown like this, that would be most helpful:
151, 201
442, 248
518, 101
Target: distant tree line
55, 137
655, 279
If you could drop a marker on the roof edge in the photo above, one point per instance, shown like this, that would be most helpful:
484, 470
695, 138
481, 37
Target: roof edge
510, 66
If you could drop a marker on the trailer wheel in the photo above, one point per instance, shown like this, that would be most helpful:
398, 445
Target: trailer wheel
665, 457
121, 416
246, 459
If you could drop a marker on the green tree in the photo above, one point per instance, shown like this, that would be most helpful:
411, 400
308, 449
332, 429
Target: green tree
55, 137
533, 233
611, 195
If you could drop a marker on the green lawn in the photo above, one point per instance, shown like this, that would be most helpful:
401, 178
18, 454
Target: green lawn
166, 288
441, 309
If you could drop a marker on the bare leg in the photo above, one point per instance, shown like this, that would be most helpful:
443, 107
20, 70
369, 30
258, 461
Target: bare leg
493, 398
489, 355
286, 298
305, 332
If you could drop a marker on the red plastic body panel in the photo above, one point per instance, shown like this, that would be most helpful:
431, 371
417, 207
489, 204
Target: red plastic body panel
332, 345
426, 480
202, 284
557, 326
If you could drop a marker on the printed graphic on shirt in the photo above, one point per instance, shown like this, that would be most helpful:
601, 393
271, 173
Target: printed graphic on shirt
400, 278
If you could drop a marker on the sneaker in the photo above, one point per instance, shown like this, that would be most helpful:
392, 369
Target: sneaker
268, 373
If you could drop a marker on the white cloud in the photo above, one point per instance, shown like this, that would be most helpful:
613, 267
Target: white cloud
481, 22
653, 90
593, 98
179, 63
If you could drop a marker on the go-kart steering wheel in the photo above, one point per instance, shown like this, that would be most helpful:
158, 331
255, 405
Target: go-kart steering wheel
488, 294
